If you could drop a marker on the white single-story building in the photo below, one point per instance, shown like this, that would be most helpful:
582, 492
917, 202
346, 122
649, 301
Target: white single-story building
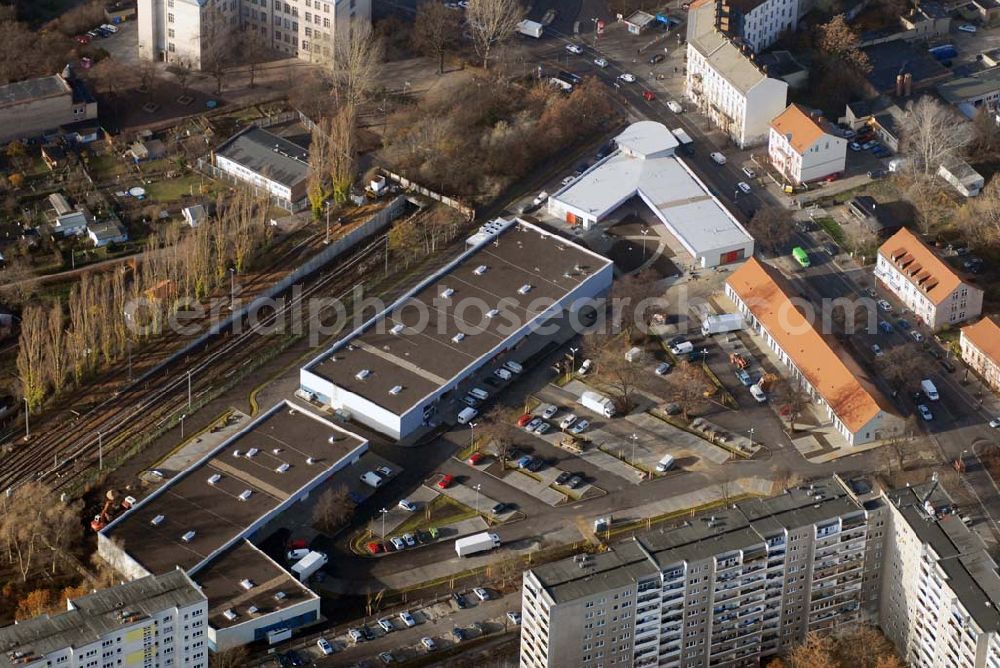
645, 165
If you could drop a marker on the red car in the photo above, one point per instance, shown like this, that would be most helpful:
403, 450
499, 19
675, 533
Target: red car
298, 544
648, 95
445, 481
525, 419
476, 458
374, 548
82, 39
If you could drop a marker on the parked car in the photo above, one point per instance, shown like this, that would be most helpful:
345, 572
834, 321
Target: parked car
567, 421
884, 305
916, 336
854, 146
498, 508
750, 173
543, 429
744, 186
585, 367
445, 481
648, 95
533, 424
82, 39
995, 422
514, 617
574, 48
662, 369
355, 635
564, 477
903, 324
458, 634
925, 412
407, 505
574, 482
407, 619
601, 62
967, 27
674, 106
885, 327
481, 594
398, 543
549, 411
410, 540
656, 59
475, 458
523, 462
744, 378
386, 624
579, 427
459, 600
428, 642
384, 471
374, 547
877, 350
627, 77
386, 658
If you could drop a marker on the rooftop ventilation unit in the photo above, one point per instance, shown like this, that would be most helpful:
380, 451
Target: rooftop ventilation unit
252, 452
458, 337
279, 596
229, 614
480, 270
446, 293
492, 313
214, 478
157, 521
396, 389
310, 461
275, 451
281, 469
292, 411
245, 494
361, 375
188, 537
237, 453
334, 438
252, 610
247, 584
397, 329
524, 289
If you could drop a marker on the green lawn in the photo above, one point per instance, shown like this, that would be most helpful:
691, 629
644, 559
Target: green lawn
832, 228
174, 189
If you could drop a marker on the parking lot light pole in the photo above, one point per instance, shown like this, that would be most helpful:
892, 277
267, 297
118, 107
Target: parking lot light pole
477, 488
472, 429
645, 232
635, 438
573, 350
750, 431
384, 512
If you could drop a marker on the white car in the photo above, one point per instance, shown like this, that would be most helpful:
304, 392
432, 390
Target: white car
514, 617
407, 505
481, 594
568, 180
110, 27
925, 412
574, 48
750, 173
674, 106
355, 635
601, 62
579, 427
744, 186
884, 305
386, 625
324, 646
397, 543
411, 541
758, 394
718, 158
916, 336
877, 350
407, 619
567, 421
995, 422
540, 199
428, 642
534, 424
626, 77
967, 27
549, 411
585, 367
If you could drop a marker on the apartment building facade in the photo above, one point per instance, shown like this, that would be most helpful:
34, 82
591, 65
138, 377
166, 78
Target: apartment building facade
726, 84
724, 589
192, 31
758, 23
802, 146
935, 292
158, 621
980, 345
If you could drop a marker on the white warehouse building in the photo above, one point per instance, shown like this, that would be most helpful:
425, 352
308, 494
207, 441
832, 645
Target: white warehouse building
645, 165
399, 371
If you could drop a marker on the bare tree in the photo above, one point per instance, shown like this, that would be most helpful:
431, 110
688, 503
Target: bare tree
901, 365
32, 521
436, 31
634, 299
837, 40
234, 657
353, 63
791, 398
492, 22
254, 50
932, 135
985, 144
333, 508
217, 45
686, 386
498, 426
181, 69
31, 363
979, 219
622, 378
771, 226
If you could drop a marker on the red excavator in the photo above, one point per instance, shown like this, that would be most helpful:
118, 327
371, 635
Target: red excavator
101, 521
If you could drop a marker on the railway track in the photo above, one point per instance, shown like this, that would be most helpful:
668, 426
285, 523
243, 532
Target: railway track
61, 455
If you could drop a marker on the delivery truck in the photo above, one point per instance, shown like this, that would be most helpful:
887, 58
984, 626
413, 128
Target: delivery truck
530, 28
720, 324
476, 543
309, 564
598, 403
687, 144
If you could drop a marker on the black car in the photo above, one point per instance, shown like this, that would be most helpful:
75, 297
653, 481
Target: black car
563, 477
295, 658
367, 633
676, 341
574, 482
658, 58
458, 634
284, 661
831, 248
569, 76
687, 149
535, 465
498, 508
460, 600
949, 367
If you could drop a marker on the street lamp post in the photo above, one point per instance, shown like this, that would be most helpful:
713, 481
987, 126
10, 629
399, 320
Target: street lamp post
644, 231
183, 415
635, 438
472, 430
750, 431
573, 350
477, 488
232, 287
384, 512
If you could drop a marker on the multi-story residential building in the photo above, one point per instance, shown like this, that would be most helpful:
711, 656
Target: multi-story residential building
723, 589
854, 405
191, 31
935, 292
803, 147
757, 23
940, 599
158, 621
726, 84
980, 344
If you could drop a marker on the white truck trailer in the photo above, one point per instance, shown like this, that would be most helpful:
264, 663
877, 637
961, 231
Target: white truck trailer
309, 564
476, 543
720, 324
530, 28
598, 403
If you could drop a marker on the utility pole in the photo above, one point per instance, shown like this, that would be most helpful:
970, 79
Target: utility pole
327, 224
189, 389
183, 415
384, 512
232, 288
100, 452
477, 487
635, 438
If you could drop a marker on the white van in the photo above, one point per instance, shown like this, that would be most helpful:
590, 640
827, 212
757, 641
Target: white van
480, 394
467, 415
513, 366
372, 479
585, 367
295, 555
665, 464
682, 348
718, 158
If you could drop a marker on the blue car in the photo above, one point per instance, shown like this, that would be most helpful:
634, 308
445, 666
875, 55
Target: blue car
524, 462
885, 326
880, 152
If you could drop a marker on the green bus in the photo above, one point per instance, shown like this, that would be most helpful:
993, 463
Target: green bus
800, 256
